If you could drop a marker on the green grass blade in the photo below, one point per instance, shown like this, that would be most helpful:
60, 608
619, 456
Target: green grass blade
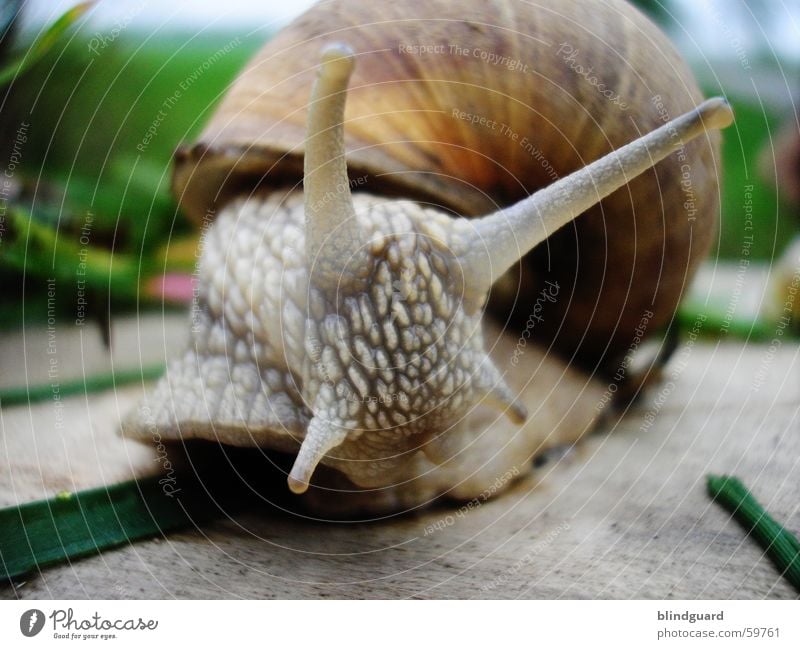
781, 546
43, 44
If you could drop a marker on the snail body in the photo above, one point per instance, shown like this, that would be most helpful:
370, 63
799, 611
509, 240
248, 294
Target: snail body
346, 327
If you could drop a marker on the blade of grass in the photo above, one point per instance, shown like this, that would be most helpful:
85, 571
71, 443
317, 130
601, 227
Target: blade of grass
781, 546
75, 525
35, 248
43, 44
715, 323
27, 394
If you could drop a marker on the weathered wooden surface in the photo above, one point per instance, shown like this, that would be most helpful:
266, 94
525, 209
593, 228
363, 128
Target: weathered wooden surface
624, 515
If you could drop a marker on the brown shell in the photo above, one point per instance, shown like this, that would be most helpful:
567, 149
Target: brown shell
578, 79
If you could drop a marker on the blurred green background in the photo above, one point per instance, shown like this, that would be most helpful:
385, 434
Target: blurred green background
91, 98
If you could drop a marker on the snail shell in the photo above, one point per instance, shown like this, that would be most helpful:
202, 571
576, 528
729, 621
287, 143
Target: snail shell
594, 76
309, 299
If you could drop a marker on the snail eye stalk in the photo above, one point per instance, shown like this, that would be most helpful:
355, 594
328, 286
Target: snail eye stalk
502, 238
332, 233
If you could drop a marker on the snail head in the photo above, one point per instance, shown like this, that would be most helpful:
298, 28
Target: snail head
393, 341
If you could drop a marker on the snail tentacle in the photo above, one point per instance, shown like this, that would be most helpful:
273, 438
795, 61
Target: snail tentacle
322, 436
497, 394
332, 232
505, 236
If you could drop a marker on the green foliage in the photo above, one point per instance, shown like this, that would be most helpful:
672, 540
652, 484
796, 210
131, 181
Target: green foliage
43, 44
771, 227
110, 143
102, 116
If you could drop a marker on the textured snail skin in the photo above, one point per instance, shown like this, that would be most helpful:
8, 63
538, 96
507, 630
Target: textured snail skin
389, 367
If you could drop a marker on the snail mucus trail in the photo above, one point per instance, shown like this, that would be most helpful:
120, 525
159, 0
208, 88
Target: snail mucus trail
371, 348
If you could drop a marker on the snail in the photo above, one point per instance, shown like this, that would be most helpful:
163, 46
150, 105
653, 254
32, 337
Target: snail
345, 321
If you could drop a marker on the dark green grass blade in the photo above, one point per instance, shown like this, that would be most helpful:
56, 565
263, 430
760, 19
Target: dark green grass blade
71, 526
26, 394
781, 546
